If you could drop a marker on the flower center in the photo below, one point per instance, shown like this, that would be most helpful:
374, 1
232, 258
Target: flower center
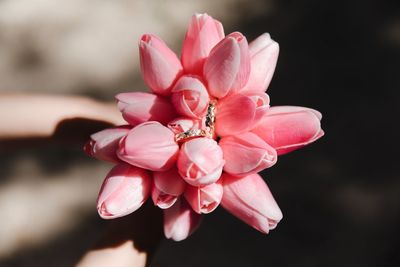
209, 123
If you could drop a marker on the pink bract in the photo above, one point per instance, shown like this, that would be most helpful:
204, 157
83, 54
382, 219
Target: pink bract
200, 137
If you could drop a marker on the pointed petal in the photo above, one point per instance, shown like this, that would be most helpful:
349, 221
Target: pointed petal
169, 182
250, 200
138, 107
149, 145
124, 190
202, 35
289, 128
246, 153
227, 68
204, 199
180, 221
103, 145
264, 55
159, 64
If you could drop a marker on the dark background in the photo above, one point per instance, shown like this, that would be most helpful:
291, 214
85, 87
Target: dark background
340, 196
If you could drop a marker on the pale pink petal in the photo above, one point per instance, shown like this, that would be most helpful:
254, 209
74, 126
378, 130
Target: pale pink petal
200, 161
288, 128
202, 35
138, 107
227, 68
246, 153
261, 101
264, 55
180, 221
162, 199
240, 113
124, 190
204, 199
169, 182
168, 185
103, 145
149, 145
190, 97
159, 64
249, 199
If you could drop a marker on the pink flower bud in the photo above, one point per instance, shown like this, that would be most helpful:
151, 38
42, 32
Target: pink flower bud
180, 221
227, 68
202, 35
264, 55
168, 186
287, 128
124, 190
103, 145
200, 161
246, 153
138, 107
249, 199
150, 146
190, 97
204, 199
160, 66
239, 113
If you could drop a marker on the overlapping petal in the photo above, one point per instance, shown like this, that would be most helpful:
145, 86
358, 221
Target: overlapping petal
263, 57
190, 97
287, 128
180, 221
159, 65
200, 161
168, 186
246, 153
240, 112
202, 35
149, 145
138, 107
250, 199
204, 199
124, 190
103, 145
227, 68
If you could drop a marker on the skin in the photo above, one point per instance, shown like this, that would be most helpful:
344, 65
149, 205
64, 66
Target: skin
128, 241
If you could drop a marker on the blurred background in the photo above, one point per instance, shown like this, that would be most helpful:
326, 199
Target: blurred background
340, 196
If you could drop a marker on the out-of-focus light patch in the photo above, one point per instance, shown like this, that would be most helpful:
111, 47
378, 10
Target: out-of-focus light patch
77, 46
391, 32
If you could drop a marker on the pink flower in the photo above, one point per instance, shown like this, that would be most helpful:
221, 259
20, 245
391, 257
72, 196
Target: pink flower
200, 161
263, 57
149, 146
250, 200
124, 190
168, 186
231, 119
202, 35
227, 68
190, 97
160, 66
288, 128
204, 199
138, 107
246, 154
203, 133
103, 145
180, 221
